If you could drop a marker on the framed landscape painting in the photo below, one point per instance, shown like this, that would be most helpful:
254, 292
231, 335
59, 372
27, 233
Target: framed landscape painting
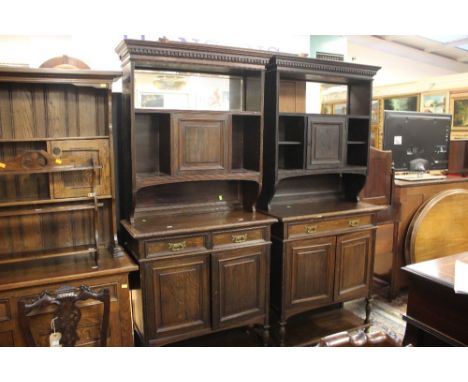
406, 103
375, 112
459, 107
434, 102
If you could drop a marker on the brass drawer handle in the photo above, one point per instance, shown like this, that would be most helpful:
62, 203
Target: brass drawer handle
354, 223
310, 228
174, 247
239, 238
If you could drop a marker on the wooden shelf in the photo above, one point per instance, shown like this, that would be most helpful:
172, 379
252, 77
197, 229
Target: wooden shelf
49, 170
358, 116
50, 201
289, 143
285, 173
13, 140
48, 210
42, 255
153, 179
171, 111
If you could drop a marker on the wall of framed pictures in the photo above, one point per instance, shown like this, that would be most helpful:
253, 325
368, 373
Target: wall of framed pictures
447, 94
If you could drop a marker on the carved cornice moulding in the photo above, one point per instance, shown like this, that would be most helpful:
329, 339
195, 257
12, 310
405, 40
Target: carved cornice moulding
313, 65
135, 50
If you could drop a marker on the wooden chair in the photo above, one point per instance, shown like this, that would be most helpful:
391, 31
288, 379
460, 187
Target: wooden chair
359, 339
67, 313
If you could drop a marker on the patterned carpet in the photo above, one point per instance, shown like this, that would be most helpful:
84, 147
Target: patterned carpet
385, 316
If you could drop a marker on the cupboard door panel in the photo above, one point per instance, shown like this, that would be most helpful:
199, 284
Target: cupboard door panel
353, 265
326, 142
239, 279
81, 153
180, 297
201, 143
310, 269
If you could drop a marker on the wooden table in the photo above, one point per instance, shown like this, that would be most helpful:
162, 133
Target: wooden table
407, 198
436, 315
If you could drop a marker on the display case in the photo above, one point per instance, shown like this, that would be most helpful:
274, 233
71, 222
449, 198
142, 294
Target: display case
314, 166
190, 174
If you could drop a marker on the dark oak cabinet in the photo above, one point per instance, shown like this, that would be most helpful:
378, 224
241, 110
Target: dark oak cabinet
189, 183
57, 202
314, 165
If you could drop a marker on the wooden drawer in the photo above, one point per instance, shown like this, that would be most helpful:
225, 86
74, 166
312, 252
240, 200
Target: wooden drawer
238, 237
315, 227
175, 245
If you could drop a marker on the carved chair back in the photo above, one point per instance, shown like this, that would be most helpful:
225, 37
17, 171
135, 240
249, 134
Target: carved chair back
67, 314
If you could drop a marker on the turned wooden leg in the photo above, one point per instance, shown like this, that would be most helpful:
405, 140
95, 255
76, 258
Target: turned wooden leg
368, 312
266, 335
282, 333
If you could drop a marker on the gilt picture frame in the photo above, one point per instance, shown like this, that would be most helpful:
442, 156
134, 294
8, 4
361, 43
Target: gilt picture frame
459, 110
434, 102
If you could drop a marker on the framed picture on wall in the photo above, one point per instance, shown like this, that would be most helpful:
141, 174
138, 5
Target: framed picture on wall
406, 103
375, 112
434, 102
459, 108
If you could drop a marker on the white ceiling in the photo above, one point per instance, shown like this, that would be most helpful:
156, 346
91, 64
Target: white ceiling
453, 47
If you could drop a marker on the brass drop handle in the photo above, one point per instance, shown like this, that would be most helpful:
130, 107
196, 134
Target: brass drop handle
174, 247
354, 223
239, 238
310, 228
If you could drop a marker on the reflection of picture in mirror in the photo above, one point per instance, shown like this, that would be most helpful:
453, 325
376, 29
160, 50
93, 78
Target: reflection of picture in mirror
327, 108
401, 103
340, 108
460, 113
375, 113
434, 103
152, 100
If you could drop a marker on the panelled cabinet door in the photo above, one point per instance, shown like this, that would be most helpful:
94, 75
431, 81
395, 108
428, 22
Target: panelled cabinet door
201, 143
309, 273
81, 153
239, 279
178, 295
326, 142
353, 265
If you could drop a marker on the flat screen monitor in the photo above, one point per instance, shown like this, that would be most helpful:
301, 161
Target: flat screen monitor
418, 141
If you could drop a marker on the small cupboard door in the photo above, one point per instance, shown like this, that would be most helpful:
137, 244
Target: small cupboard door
239, 281
81, 153
201, 143
179, 297
353, 265
310, 266
326, 142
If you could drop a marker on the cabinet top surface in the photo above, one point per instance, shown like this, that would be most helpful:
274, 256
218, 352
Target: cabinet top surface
441, 271
57, 75
322, 209
159, 226
448, 179
62, 270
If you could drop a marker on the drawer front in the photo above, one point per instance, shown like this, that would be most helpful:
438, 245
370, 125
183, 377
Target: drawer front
315, 227
174, 246
238, 237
